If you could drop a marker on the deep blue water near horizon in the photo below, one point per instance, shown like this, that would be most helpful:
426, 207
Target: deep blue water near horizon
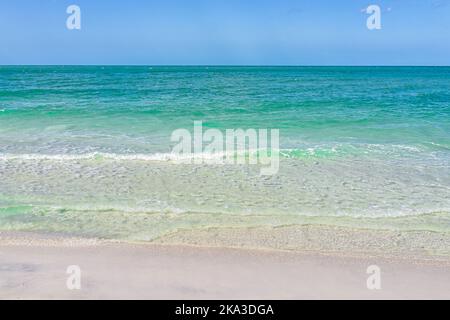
369, 104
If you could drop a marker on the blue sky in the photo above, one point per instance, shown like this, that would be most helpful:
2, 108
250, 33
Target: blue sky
216, 32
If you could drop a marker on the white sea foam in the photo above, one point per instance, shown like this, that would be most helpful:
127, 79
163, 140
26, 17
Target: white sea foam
125, 157
336, 149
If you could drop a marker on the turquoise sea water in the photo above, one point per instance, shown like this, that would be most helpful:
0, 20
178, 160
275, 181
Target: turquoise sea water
83, 149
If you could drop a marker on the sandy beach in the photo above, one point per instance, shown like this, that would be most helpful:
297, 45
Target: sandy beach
33, 266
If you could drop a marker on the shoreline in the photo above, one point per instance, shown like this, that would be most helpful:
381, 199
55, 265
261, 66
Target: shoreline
323, 239
421, 245
33, 266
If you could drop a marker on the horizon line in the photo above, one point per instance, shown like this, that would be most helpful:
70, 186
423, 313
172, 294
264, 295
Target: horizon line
213, 65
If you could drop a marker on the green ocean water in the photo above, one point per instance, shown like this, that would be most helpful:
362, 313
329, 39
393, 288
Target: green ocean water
84, 150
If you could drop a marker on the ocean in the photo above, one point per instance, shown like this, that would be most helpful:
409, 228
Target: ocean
86, 150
